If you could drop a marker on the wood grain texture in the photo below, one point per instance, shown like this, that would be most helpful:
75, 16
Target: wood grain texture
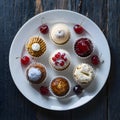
114, 42
13, 105
14, 13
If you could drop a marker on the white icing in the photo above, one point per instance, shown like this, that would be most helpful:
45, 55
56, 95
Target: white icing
35, 47
66, 63
84, 74
34, 74
60, 33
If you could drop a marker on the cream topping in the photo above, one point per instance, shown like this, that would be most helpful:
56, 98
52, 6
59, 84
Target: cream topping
34, 74
60, 59
35, 47
84, 74
60, 34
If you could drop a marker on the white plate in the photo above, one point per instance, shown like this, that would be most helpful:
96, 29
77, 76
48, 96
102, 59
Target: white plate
30, 28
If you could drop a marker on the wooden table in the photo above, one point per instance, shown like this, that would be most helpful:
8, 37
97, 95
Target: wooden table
14, 13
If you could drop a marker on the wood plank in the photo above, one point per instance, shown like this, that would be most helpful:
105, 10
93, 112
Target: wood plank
114, 41
13, 106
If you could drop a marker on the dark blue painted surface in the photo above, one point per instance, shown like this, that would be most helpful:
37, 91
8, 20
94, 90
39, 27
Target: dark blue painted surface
13, 14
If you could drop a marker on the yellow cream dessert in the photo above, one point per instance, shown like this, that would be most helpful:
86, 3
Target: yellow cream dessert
83, 74
60, 33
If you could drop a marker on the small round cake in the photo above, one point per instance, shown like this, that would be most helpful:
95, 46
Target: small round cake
60, 59
36, 73
60, 87
60, 33
83, 74
83, 47
36, 46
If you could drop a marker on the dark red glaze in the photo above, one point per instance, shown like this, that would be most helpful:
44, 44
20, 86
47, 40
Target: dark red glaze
83, 47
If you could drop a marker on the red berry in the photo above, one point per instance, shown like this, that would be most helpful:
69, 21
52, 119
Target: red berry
44, 29
62, 63
65, 59
95, 60
58, 55
56, 63
63, 55
25, 60
44, 90
78, 29
54, 59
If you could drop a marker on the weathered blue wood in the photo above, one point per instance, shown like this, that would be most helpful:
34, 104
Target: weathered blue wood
13, 106
114, 41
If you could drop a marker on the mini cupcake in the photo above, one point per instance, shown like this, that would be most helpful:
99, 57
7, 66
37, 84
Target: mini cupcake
83, 74
60, 34
60, 87
36, 73
36, 46
83, 47
60, 59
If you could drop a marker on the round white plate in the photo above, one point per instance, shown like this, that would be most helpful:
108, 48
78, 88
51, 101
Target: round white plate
31, 28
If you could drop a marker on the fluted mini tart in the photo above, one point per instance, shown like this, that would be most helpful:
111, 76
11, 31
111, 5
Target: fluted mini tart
36, 46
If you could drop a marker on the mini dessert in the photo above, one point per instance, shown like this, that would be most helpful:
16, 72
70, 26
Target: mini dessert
60, 87
36, 46
60, 34
60, 59
36, 73
83, 47
83, 74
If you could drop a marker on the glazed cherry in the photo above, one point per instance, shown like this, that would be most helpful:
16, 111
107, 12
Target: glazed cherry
83, 47
78, 29
25, 60
95, 60
77, 89
44, 90
44, 29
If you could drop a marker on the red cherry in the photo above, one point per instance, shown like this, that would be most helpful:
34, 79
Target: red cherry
44, 90
25, 60
62, 63
56, 63
44, 29
65, 59
63, 55
54, 59
95, 60
58, 55
78, 29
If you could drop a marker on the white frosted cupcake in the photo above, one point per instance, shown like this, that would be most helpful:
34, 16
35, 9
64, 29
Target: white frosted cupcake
83, 74
36, 73
60, 59
60, 33
60, 87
